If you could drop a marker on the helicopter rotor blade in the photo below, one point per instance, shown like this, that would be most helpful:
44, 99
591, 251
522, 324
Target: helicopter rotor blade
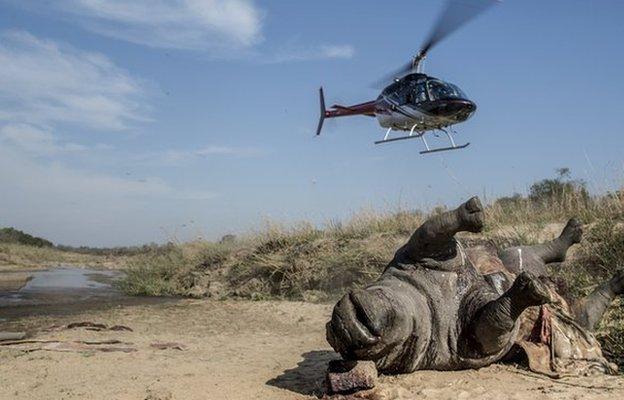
455, 14
398, 73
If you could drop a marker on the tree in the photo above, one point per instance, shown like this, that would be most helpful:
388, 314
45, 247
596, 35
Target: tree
559, 188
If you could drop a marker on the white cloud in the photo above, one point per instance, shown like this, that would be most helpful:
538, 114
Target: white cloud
313, 53
78, 206
219, 28
43, 82
182, 156
19, 170
36, 141
179, 24
228, 151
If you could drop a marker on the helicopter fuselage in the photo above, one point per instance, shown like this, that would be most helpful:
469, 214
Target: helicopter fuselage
421, 103
416, 103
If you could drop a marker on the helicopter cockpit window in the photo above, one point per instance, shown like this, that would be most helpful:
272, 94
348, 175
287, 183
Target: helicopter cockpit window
439, 90
411, 92
420, 92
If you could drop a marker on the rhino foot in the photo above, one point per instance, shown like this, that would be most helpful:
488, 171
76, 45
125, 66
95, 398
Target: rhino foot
590, 310
470, 215
573, 232
528, 290
494, 326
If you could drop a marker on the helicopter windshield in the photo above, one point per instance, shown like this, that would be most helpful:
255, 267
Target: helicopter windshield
407, 91
439, 90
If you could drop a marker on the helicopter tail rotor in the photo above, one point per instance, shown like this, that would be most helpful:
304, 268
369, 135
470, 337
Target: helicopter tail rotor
323, 112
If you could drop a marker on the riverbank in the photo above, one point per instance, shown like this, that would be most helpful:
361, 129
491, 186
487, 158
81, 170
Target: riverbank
11, 281
63, 291
18, 256
229, 350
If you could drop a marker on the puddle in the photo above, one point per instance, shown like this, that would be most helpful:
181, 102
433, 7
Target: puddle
64, 291
68, 279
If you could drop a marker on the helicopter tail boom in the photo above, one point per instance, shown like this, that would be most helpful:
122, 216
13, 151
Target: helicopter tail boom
337, 110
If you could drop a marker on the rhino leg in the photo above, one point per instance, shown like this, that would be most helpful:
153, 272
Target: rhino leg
495, 322
435, 237
535, 258
590, 309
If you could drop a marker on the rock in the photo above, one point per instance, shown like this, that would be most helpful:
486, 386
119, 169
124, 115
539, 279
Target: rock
345, 377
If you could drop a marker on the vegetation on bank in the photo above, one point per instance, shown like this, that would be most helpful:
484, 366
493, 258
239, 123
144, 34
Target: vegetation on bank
21, 249
306, 262
19, 255
309, 263
14, 236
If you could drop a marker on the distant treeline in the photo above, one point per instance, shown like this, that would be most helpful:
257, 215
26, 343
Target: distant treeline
15, 236
119, 251
12, 235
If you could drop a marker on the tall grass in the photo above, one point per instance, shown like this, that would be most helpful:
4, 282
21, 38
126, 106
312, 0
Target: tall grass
307, 262
302, 262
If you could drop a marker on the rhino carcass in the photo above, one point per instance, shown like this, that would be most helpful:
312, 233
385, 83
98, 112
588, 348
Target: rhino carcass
440, 306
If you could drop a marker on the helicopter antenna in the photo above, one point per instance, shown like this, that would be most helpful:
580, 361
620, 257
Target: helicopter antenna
455, 14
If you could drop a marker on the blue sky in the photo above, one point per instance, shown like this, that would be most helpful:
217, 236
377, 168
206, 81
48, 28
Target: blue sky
129, 122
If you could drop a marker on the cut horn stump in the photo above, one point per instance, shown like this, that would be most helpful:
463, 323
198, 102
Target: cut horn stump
348, 377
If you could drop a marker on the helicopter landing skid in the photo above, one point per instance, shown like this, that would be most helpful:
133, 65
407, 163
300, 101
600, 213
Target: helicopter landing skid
413, 135
463, 146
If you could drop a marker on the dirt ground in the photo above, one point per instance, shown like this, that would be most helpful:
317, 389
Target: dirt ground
230, 350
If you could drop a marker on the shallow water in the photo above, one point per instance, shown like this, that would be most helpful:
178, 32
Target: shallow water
64, 291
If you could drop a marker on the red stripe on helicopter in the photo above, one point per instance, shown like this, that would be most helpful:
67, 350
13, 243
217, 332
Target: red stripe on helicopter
337, 110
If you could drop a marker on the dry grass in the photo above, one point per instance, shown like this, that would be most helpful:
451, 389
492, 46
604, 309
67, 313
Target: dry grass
308, 263
302, 262
22, 256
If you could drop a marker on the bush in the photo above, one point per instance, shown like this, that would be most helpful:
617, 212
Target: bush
558, 189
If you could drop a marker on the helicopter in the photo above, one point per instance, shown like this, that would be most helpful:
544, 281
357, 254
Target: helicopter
416, 102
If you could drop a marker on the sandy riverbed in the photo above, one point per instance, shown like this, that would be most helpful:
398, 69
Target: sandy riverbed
234, 350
